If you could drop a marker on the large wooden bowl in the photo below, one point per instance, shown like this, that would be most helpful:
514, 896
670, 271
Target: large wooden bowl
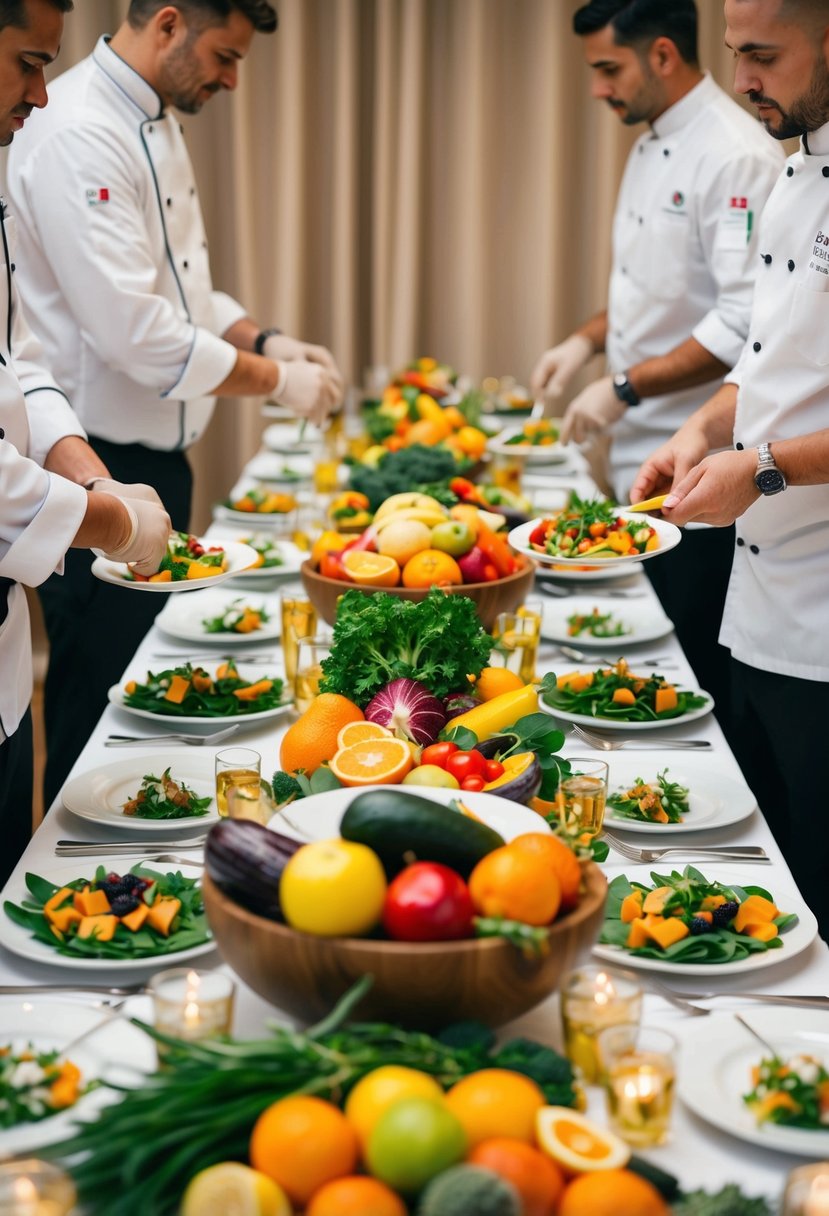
426, 985
501, 595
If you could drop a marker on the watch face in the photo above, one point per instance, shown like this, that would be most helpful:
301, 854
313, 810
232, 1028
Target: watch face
770, 481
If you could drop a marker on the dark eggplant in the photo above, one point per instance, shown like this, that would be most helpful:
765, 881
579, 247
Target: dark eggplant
246, 861
520, 780
491, 747
459, 703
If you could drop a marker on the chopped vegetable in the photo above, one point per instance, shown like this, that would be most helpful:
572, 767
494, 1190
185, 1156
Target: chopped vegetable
597, 624
659, 801
204, 697
263, 502
793, 1092
36, 1084
592, 528
238, 617
535, 434
186, 557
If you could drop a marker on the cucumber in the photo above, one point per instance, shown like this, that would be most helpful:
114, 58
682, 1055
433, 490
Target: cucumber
666, 1184
402, 828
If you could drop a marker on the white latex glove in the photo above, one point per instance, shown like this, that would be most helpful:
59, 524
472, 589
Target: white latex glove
309, 389
557, 366
595, 409
149, 533
283, 349
118, 489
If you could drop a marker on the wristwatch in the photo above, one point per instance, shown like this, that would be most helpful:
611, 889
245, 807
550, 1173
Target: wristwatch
768, 478
261, 339
624, 390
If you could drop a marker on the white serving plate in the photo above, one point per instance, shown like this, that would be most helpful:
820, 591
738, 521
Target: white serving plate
669, 537
182, 619
550, 453
613, 724
115, 696
644, 621
281, 470
100, 793
716, 798
239, 557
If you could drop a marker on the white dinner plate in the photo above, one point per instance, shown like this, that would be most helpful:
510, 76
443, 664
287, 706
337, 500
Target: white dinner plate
292, 559
284, 438
716, 798
183, 619
549, 453
20, 941
115, 696
117, 1051
614, 724
643, 621
257, 519
798, 938
239, 557
318, 817
280, 470
716, 1058
586, 574
100, 793
669, 537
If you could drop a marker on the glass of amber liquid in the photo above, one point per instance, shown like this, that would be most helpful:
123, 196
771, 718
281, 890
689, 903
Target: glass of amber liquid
516, 643
299, 620
639, 1075
311, 653
581, 796
507, 472
238, 771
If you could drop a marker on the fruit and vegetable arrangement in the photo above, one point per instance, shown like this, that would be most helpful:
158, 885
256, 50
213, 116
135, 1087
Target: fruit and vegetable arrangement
186, 558
188, 691
592, 528
793, 1092
659, 801
238, 617
596, 624
36, 1084
165, 797
260, 501
687, 918
618, 693
140, 914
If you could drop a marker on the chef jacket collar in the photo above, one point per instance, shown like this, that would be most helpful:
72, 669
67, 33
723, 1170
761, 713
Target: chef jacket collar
817, 142
142, 94
685, 110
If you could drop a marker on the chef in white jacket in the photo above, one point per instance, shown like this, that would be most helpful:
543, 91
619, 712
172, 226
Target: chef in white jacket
114, 263
773, 414
684, 259
44, 458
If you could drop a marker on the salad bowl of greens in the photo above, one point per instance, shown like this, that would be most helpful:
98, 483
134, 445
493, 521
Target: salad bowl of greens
101, 795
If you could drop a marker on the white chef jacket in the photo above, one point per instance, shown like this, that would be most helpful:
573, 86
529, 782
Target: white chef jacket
39, 512
684, 254
113, 257
778, 598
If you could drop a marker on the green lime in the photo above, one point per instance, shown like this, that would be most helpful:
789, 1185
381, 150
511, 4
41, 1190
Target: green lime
414, 1140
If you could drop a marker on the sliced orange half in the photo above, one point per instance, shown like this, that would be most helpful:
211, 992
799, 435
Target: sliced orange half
578, 1144
373, 569
372, 762
358, 732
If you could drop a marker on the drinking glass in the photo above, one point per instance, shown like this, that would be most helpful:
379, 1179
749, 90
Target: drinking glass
310, 656
191, 1004
581, 797
30, 1187
637, 1065
238, 771
507, 471
516, 643
593, 998
299, 620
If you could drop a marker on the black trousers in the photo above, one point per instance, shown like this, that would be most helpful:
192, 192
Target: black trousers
691, 582
779, 733
16, 795
94, 628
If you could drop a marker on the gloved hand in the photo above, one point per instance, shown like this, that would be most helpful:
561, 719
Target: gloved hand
118, 489
595, 409
283, 349
557, 366
146, 542
309, 389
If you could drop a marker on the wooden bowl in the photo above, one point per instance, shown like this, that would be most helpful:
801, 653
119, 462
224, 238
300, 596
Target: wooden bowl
427, 985
501, 595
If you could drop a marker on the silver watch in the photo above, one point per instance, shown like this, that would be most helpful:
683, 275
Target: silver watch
768, 478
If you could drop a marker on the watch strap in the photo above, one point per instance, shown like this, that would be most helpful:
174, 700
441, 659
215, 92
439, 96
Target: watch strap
624, 390
262, 337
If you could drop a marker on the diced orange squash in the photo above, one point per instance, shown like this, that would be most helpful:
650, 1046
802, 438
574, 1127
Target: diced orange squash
713, 901
224, 670
763, 932
63, 1090
631, 907
620, 542
775, 1100
755, 910
135, 919
101, 927
655, 900
91, 903
201, 681
576, 681
130, 687
162, 914
823, 1096
62, 918
163, 576
249, 622
665, 699
652, 543
179, 687
704, 914
659, 815
624, 696
665, 932
202, 570
638, 936
59, 897
253, 691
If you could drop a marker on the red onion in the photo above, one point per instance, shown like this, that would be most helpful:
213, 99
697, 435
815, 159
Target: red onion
459, 703
407, 708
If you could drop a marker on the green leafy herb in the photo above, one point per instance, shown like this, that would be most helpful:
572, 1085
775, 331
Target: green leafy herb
730, 1201
163, 798
659, 801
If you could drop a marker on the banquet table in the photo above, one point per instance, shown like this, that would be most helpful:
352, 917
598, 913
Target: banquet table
698, 1153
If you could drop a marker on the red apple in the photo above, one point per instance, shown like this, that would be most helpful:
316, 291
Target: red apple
473, 565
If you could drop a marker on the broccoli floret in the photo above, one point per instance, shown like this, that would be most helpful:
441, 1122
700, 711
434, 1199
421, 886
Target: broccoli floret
407, 469
286, 788
730, 1201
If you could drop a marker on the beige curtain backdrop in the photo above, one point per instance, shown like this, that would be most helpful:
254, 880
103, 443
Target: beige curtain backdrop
404, 177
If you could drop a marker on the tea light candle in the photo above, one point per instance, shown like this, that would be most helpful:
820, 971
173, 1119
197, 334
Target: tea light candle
816, 1202
35, 1188
639, 1082
591, 1000
192, 1004
807, 1190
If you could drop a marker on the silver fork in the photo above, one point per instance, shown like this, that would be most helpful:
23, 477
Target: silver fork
580, 656
216, 736
613, 745
685, 1000
727, 852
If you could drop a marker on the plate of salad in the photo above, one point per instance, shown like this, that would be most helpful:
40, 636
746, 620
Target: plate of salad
188, 694
222, 616
41, 1095
606, 625
278, 557
537, 441
282, 469
591, 531
258, 506
690, 923
688, 795
777, 1102
106, 917
173, 794
618, 698
189, 561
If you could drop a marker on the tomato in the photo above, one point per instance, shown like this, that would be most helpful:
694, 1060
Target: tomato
428, 902
473, 783
494, 770
462, 487
539, 534
584, 545
597, 529
438, 753
466, 764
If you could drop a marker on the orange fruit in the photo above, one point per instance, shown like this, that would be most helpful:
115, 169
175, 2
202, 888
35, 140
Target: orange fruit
517, 884
496, 1102
371, 569
356, 1196
494, 680
432, 568
561, 859
612, 1193
471, 441
327, 542
576, 1143
302, 1143
374, 1093
358, 732
373, 762
538, 1180
312, 739
428, 431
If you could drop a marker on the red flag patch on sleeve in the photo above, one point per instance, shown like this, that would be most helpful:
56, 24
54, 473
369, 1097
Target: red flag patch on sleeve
94, 197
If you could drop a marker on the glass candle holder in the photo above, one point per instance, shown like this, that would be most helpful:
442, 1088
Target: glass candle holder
310, 657
638, 1071
581, 797
807, 1191
592, 999
29, 1187
299, 620
191, 1004
516, 639
507, 471
238, 769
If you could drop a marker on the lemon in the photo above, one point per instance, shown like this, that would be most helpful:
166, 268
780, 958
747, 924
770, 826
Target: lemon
231, 1189
578, 1144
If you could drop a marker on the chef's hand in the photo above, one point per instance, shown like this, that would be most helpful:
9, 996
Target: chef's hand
557, 366
309, 389
283, 349
145, 536
595, 409
716, 491
670, 463
103, 485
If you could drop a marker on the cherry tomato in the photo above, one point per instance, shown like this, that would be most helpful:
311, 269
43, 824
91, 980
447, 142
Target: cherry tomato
466, 764
572, 532
597, 529
428, 902
583, 545
438, 753
539, 534
473, 783
494, 770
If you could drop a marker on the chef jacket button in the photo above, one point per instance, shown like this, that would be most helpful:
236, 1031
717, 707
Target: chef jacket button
12, 268
2, 433
666, 151
739, 447
740, 541
150, 129
767, 258
192, 191
169, 202
181, 128
790, 264
185, 264
790, 172
753, 549
641, 219
757, 347
825, 170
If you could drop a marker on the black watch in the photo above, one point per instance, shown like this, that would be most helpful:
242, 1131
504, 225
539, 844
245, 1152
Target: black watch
624, 390
261, 339
768, 478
